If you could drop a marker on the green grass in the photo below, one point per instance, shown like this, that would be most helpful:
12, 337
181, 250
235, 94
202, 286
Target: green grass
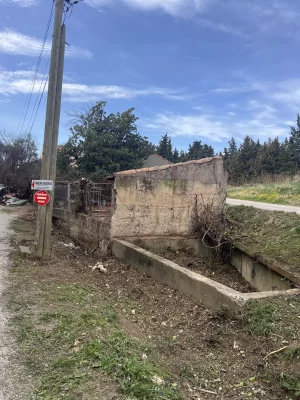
261, 319
284, 193
122, 357
6, 210
291, 383
86, 322
292, 353
270, 233
21, 226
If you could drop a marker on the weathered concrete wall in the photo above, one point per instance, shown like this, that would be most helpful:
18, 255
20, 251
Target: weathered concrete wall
260, 276
90, 232
162, 201
213, 294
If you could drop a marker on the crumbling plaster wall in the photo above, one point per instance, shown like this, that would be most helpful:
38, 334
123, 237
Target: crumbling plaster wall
163, 201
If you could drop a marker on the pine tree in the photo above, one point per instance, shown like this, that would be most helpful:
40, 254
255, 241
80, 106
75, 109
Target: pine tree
232, 149
175, 157
183, 156
195, 151
164, 147
295, 143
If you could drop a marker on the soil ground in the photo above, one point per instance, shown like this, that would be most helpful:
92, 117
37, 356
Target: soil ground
89, 335
213, 269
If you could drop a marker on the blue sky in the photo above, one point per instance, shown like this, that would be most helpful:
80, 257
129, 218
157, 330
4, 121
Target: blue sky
197, 69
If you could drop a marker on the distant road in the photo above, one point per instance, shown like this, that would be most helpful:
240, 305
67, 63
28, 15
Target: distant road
263, 206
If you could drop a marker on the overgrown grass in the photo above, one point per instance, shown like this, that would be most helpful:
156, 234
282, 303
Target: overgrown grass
284, 193
270, 233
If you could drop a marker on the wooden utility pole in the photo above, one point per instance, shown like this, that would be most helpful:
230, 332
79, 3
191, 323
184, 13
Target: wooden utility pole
48, 169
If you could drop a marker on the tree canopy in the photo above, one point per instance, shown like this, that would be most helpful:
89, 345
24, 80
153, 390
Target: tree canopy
18, 159
102, 144
253, 159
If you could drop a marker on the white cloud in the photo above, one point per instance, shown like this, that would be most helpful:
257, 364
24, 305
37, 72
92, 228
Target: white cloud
81, 93
214, 127
21, 3
97, 3
241, 88
173, 7
222, 27
19, 82
15, 43
203, 126
288, 92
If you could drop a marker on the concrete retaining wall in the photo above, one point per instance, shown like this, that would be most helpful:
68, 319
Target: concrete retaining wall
90, 232
257, 274
213, 294
165, 201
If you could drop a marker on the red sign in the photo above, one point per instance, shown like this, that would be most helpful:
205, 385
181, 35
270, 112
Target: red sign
41, 198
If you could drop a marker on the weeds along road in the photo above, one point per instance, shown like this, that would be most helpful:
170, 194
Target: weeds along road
263, 206
11, 385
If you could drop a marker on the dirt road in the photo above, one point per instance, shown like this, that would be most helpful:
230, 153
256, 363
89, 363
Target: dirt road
263, 206
11, 374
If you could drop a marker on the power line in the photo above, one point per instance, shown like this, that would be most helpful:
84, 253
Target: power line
67, 14
39, 96
29, 96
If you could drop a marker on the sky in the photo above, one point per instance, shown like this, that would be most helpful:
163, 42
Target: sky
202, 70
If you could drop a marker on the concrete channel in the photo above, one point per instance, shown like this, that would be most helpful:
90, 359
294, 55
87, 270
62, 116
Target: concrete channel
140, 252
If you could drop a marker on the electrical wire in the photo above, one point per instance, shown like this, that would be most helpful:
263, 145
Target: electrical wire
40, 94
67, 14
39, 103
29, 96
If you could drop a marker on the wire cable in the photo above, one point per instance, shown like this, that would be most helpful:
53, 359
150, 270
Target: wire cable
29, 96
41, 96
67, 14
40, 93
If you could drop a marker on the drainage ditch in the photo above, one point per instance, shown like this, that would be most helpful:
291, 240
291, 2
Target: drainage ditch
186, 264
224, 273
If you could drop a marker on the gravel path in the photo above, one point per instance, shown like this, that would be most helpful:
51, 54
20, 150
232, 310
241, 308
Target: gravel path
12, 378
263, 206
